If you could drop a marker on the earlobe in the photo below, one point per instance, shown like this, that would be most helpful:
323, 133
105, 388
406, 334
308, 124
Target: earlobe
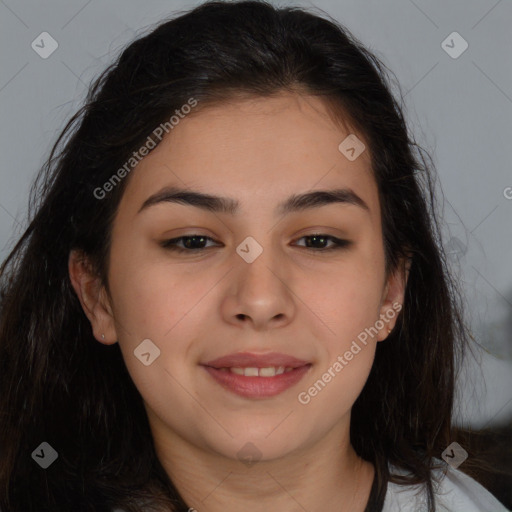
92, 296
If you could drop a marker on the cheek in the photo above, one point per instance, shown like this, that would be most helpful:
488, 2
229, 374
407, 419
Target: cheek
349, 306
153, 296
347, 298
347, 301
157, 303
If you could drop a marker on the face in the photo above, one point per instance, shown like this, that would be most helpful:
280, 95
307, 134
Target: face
254, 279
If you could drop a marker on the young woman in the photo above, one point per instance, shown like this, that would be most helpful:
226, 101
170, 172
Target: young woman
232, 294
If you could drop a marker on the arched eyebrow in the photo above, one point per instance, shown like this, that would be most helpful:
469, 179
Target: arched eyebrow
219, 204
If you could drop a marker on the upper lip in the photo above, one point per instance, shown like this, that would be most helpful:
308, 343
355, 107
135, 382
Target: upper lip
249, 360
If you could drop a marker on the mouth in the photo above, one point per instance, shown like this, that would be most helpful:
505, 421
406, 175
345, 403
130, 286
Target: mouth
257, 376
253, 360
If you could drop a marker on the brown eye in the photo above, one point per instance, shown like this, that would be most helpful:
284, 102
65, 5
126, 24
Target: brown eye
317, 242
191, 243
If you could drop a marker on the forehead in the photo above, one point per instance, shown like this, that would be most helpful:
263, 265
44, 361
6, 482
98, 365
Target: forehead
257, 150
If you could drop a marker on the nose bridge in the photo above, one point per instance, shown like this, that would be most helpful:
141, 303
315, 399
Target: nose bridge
259, 262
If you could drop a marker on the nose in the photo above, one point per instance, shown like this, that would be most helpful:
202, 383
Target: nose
260, 294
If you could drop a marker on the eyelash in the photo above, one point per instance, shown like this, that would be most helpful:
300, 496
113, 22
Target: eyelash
170, 245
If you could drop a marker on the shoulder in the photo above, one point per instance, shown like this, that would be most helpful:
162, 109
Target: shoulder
454, 492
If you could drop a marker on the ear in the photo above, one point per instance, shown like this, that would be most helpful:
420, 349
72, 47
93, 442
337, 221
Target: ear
393, 298
93, 297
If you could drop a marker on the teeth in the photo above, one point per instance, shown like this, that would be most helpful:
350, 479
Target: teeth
270, 371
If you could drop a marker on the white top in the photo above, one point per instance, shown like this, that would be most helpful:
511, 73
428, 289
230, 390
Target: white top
456, 492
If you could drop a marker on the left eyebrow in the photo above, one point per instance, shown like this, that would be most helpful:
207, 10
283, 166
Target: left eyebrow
219, 204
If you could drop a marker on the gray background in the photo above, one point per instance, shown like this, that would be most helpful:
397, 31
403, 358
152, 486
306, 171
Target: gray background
459, 109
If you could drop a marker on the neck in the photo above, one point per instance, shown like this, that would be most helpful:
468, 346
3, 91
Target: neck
328, 475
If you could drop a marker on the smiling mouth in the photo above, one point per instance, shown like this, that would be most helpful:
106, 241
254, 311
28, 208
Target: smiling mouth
257, 383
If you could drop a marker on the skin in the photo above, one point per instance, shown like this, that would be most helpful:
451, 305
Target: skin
309, 304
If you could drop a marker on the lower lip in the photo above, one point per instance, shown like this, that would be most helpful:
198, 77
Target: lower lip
257, 387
